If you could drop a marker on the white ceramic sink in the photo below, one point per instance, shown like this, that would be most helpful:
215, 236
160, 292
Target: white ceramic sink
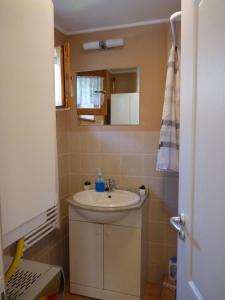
106, 207
115, 199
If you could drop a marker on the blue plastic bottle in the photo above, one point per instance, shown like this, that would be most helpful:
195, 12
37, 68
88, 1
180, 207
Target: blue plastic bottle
100, 183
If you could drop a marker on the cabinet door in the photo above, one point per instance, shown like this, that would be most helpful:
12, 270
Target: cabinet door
86, 253
122, 259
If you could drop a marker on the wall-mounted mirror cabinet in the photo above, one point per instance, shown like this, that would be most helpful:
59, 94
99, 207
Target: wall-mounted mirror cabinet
62, 76
109, 96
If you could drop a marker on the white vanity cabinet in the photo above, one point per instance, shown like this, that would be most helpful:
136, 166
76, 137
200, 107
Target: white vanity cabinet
107, 261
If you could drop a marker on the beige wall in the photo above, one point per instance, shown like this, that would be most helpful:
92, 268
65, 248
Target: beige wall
145, 47
60, 38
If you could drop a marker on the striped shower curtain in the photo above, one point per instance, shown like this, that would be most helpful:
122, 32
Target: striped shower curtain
168, 152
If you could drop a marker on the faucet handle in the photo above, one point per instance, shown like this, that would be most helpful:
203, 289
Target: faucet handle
111, 181
110, 185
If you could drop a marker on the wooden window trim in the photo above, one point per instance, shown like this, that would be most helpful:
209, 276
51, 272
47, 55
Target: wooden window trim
66, 76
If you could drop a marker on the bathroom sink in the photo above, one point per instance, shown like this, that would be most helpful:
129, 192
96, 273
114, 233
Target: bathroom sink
115, 199
105, 207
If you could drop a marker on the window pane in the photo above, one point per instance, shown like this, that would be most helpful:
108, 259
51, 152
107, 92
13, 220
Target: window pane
90, 92
59, 92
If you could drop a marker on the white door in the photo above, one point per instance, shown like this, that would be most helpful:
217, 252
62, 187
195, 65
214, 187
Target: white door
201, 257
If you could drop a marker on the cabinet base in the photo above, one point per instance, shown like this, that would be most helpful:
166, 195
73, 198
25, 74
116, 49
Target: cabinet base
99, 293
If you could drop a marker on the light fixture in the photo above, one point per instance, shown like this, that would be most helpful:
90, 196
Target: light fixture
105, 44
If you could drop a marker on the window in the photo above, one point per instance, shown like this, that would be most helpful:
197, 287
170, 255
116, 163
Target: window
62, 76
59, 77
90, 92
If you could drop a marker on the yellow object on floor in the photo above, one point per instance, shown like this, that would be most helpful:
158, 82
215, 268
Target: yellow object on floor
13, 266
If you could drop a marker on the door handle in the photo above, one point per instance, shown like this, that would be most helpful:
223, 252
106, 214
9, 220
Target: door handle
178, 223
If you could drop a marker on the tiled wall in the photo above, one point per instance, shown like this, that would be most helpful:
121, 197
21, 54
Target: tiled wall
129, 158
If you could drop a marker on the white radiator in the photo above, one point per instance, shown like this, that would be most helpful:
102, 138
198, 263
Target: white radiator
52, 222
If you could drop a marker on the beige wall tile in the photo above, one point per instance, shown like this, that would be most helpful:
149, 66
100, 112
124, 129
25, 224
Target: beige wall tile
132, 181
63, 186
111, 165
63, 165
157, 210
90, 142
157, 232
157, 187
62, 143
157, 253
132, 165
155, 272
151, 142
75, 163
131, 142
61, 121
90, 163
75, 184
74, 142
171, 189
87, 177
150, 166
171, 235
63, 207
110, 142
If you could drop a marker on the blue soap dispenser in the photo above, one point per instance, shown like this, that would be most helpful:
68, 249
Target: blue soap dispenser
100, 183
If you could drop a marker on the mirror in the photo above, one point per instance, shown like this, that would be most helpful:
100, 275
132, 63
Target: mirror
62, 76
108, 97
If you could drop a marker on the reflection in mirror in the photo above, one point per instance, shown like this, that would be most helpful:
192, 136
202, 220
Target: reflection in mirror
108, 97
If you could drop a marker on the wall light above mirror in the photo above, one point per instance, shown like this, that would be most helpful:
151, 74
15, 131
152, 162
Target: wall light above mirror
108, 97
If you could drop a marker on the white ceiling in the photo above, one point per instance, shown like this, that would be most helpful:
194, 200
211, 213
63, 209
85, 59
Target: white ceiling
75, 16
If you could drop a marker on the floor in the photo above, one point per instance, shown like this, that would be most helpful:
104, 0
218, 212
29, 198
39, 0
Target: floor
152, 292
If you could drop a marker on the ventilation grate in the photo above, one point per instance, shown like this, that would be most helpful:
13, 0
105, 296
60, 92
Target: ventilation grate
20, 282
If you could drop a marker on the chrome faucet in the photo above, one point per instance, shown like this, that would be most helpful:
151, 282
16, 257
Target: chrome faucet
110, 185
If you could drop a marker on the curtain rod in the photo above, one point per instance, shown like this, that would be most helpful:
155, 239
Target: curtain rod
173, 26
